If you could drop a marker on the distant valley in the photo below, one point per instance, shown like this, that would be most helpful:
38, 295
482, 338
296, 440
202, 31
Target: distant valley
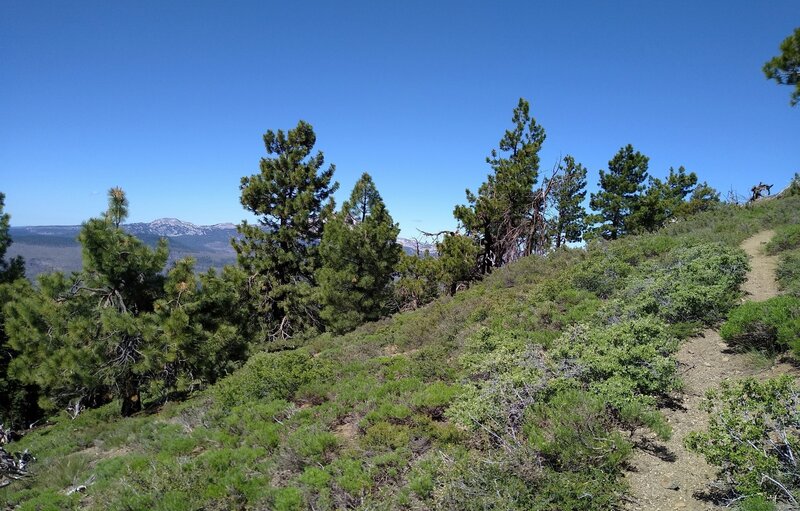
55, 247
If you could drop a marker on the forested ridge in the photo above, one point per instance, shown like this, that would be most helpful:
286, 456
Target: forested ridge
327, 369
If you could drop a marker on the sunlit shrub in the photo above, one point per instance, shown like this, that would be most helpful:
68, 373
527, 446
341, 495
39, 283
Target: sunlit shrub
268, 376
786, 238
573, 430
601, 275
772, 325
754, 437
788, 272
699, 284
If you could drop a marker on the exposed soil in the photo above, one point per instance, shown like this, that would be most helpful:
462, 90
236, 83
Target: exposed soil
665, 476
347, 431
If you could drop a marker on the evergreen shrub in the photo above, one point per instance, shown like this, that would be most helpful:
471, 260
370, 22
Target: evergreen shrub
772, 325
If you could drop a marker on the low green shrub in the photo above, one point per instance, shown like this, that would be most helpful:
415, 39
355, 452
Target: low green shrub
601, 274
756, 503
788, 272
351, 476
700, 283
383, 435
390, 412
573, 430
288, 499
434, 398
315, 477
624, 360
268, 376
754, 437
786, 238
772, 325
309, 444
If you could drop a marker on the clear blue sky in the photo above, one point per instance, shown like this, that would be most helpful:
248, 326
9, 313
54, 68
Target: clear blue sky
170, 99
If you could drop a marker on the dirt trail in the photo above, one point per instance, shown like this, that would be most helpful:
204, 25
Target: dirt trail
665, 476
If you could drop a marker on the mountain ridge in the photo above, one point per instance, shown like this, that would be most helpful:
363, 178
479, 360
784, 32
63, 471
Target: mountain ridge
48, 248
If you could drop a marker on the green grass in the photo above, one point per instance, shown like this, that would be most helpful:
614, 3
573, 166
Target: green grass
515, 394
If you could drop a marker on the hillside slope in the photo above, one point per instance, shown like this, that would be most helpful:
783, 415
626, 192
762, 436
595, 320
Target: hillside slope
530, 390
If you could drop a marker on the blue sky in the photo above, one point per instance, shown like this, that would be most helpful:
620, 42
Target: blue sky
170, 99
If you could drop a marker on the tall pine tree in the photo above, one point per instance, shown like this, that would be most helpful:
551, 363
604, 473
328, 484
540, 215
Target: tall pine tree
620, 192
505, 213
568, 191
291, 196
17, 401
359, 254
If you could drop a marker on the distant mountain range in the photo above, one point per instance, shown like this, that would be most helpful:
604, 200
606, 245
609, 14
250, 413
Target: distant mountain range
55, 247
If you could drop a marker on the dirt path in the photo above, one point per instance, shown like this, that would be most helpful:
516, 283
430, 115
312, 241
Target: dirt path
666, 476
760, 283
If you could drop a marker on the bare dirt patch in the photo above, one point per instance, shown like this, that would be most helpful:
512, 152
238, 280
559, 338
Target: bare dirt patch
347, 432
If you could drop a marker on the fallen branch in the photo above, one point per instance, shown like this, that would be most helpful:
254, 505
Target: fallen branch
14, 466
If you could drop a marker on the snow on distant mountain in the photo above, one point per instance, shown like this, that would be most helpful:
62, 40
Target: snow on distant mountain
49, 248
412, 246
172, 227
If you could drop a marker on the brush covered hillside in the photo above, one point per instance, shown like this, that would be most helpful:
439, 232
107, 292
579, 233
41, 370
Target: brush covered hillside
529, 391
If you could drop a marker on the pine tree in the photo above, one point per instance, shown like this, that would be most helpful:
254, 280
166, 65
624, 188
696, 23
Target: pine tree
620, 192
359, 254
10, 270
662, 201
120, 328
17, 401
291, 195
196, 337
117, 206
504, 214
417, 281
457, 257
86, 336
568, 191
785, 68
703, 198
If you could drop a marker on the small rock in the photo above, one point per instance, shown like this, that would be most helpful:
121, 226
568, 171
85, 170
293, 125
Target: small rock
706, 364
725, 359
673, 486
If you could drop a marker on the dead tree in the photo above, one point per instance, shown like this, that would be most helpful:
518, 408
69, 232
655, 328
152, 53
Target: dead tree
759, 189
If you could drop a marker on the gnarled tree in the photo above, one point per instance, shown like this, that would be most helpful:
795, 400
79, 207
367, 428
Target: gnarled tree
505, 216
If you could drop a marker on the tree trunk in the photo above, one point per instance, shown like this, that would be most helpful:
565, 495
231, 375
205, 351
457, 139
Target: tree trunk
131, 400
